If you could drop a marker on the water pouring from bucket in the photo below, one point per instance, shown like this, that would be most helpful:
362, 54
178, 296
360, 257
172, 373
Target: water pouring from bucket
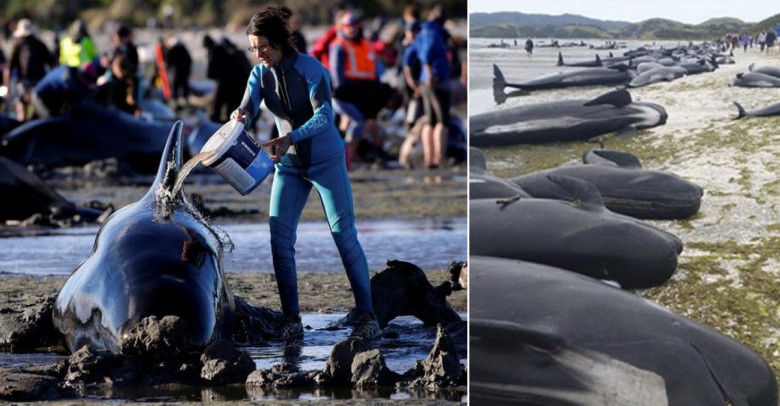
235, 156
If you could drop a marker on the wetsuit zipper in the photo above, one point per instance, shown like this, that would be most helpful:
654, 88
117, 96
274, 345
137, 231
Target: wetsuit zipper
287, 106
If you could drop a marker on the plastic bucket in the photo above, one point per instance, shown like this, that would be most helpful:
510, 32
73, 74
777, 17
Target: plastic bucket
237, 157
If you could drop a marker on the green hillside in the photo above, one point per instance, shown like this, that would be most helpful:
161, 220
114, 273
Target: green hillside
652, 29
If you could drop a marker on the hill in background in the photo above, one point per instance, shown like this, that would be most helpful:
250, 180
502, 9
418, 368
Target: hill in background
520, 25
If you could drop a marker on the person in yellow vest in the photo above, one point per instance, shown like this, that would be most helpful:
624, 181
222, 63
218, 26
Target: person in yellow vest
358, 94
77, 47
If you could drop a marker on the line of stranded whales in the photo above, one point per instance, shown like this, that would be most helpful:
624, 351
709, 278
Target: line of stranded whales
153, 288
90, 132
635, 68
90, 135
545, 336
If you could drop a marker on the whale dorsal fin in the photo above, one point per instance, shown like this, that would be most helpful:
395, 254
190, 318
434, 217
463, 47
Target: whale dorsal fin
583, 193
616, 98
170, 161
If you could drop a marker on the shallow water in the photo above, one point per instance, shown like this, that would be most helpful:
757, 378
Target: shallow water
429, 244
413, 342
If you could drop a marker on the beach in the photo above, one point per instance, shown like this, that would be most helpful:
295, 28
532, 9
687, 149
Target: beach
728, 271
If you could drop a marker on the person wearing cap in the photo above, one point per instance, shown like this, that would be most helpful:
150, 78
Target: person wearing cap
30, 60
309, 152
358, 93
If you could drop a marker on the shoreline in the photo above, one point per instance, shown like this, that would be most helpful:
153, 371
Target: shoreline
318, 292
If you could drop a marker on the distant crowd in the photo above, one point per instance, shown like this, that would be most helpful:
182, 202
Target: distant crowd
417, 67
765, 40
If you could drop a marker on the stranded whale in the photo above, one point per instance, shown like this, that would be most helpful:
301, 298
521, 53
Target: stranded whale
156, 256
582, 236
565, 120
540, 335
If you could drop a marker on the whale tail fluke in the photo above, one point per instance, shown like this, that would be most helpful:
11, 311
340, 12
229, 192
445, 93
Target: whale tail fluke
740, 111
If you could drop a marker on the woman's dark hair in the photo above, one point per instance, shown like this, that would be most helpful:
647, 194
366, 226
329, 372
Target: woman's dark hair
272, 24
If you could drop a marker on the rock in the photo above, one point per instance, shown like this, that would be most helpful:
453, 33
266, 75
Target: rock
442, 367
459, 275
223, 363
19, 385
255, 324
339, 364
29, 328
369, 369
262, 377
403, 289
156, 339
88, 366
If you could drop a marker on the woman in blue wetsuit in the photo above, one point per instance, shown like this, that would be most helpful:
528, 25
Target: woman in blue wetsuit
309, 152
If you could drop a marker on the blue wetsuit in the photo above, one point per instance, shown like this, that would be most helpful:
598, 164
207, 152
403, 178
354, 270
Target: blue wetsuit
298, 95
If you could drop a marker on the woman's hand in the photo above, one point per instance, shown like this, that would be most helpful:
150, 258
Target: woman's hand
239, 114
279, 146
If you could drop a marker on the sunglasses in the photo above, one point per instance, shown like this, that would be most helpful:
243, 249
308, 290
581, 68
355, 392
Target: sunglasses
262, 48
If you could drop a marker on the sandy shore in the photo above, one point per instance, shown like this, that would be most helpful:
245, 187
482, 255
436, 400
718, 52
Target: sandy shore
727, 276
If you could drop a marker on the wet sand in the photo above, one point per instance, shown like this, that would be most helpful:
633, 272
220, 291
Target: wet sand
329, 292
378, 194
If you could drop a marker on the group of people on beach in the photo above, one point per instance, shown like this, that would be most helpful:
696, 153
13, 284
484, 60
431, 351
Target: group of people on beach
43, 82
765, 39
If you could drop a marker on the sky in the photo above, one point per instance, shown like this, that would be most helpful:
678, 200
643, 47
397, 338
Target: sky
684, 11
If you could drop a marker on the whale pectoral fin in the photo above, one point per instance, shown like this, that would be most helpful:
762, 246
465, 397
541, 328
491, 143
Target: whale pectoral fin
616, 98
629, 131
618, 158
583, 194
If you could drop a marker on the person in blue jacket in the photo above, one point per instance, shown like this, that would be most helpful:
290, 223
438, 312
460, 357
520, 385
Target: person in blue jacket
309, 152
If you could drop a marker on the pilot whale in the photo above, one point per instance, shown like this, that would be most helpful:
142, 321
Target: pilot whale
565, 120
154, 257
582, 236
540, 335
581, 77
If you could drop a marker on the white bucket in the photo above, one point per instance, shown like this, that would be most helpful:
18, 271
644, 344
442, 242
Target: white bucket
238, 158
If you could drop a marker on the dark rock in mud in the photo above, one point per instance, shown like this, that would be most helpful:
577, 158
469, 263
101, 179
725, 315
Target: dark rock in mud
23, 329
88, 366
442, 368
155, 339
339, 364
459, 275
35, 383
156, 352
224, 363
402, 289
369, 369
255, 324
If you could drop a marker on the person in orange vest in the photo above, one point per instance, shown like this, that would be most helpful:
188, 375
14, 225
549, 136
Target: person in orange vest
358, 94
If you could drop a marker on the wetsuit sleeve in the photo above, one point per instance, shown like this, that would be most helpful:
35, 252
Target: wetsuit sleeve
318, 82
253, 95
